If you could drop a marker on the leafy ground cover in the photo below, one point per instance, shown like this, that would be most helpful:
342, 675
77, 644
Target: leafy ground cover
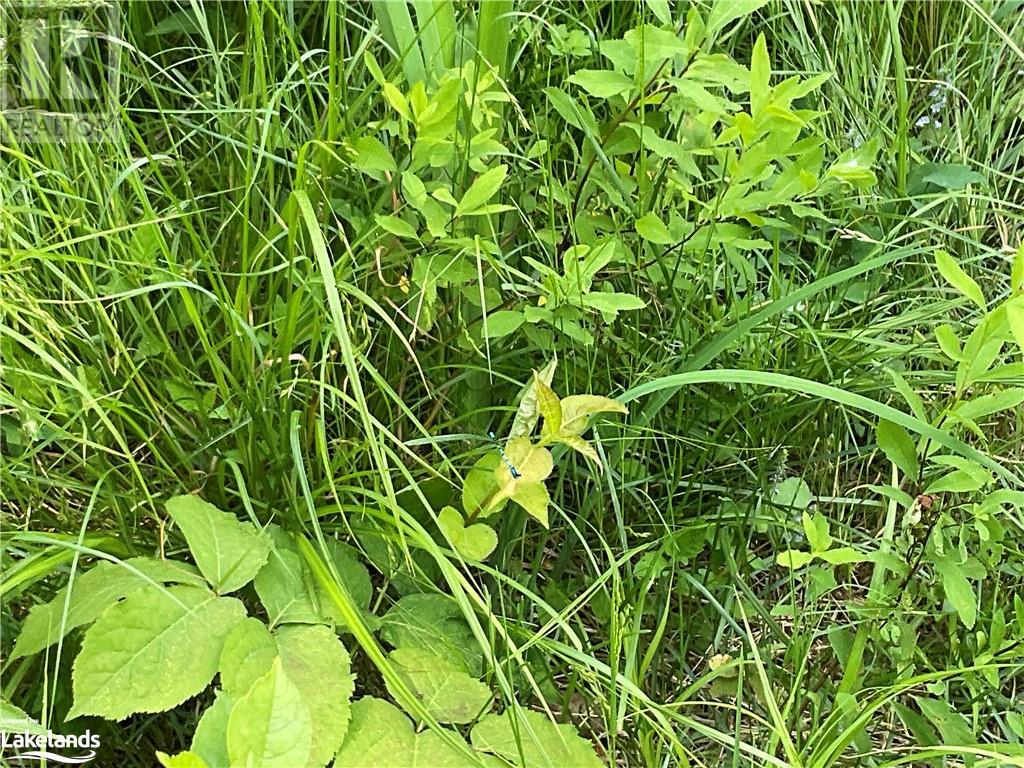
521, 383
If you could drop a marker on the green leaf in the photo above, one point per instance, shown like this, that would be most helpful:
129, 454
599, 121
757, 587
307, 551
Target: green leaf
228, 552
724, 12
182, 760
793, 493
354, 577
474, 542
842, 556
610, 303
534, 741
953, 727
433, 623
602, 83
481, 485
448, 692
92, 592
270, 726
793, 558
897, 445
958, 591
17, 720
533, 497
760, 76
1015, 319
502, 323
948, 342
483, 188
548, 404
956, 277
284, 589
528, 412
396, 226
315, 660
994, 402
210, 740
152, 651
534, 464
577, 410
248, 652
653, 230
816, 530
372, 155
381, 736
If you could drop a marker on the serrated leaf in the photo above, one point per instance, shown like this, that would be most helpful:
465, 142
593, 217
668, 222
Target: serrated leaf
577, 410
152, 651
958, 591
381, 736
534, 741
528, 412
433, 623
320, 667
210, 740
602, 83
248, 652
448, 692
474, 542
483, 188
956, 277
92, 592
897, 445
228, 552
17, 720
270, 726
354, 577
284, 589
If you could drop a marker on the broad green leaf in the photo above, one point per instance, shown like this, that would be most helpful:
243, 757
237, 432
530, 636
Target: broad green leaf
447, 691
354, 577
533, 464
958, 591
182, 760
957, 481
602, 83
994, 402
483, 188
793, 558
152, 651
381, 736
17, 720
948, 342
842, 556
577, 410
372, 155
610, 303
481, 486
792, 492
270, 726
433, 623
528, 412
315, 660
396, 226
816, 529
92, 592
952, 725
724, 12
248, 652
897, 445
548, 404
534, 741
284, 589
533, 497
210, 740
228, 552
655, 44
474, 542
502, 323
1015, 319
580, 445
956, 277
653, 230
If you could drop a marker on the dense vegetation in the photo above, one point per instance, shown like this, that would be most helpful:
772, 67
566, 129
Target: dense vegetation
395, 381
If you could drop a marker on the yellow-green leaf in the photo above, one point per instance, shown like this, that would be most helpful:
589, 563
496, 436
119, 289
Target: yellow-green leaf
577, 409
956, 277
547, 402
